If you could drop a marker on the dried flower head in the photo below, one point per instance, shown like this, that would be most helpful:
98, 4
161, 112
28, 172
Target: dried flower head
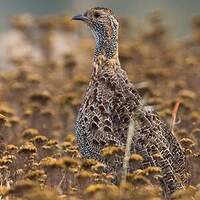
21, 187
94, 188
69, 162
88, 163
50, 162
111, 151
6, 160
187, 143
136, 157
35, 175
39, 140
30, 133
28, 147
42, 97
11, 147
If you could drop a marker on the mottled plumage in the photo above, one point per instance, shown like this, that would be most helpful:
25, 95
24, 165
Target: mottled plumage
109, 104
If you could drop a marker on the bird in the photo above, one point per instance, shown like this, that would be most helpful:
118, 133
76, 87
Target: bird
112, 101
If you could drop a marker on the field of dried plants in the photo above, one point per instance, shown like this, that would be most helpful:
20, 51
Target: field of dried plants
47, 68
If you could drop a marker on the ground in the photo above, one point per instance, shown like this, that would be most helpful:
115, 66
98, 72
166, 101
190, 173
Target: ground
45, 76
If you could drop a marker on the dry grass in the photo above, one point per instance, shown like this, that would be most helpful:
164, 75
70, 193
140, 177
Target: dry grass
131, 132
44, 78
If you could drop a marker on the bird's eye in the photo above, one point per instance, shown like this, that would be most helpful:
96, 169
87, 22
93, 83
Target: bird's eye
85, 14
96, 14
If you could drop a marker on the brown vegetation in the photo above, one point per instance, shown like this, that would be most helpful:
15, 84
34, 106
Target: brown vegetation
41, 93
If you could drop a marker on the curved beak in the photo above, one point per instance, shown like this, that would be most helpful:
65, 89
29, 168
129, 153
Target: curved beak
79, 17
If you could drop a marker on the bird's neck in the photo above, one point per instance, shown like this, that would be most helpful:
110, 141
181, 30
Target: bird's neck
105, 57
106, 47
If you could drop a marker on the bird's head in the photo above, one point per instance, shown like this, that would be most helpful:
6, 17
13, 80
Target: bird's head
104, 26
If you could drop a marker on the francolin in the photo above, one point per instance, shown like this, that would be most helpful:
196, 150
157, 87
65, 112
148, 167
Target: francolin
112, 101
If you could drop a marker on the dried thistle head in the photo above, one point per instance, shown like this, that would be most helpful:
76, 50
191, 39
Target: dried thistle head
21, 187
137, 179
14, 121
111, 151
83, 175
80, 80
6, 160
99, 167
28, 147
51, 163
6, 110
88, 163
65, 145
52, 142
47, 113
102, 189
72, 151
152, 170
3, 119
11, 148
136, 158
70, 137
69, 162
39, 140
33, 78
187, 143
30, 133
35, 175
41, 97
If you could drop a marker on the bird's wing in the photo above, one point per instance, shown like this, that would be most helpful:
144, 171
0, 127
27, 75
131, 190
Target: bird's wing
180, 163
95, 124
177, 156
149, 118
155, 152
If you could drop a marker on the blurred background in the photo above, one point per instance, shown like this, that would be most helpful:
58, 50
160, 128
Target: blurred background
45, 68
177, 13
